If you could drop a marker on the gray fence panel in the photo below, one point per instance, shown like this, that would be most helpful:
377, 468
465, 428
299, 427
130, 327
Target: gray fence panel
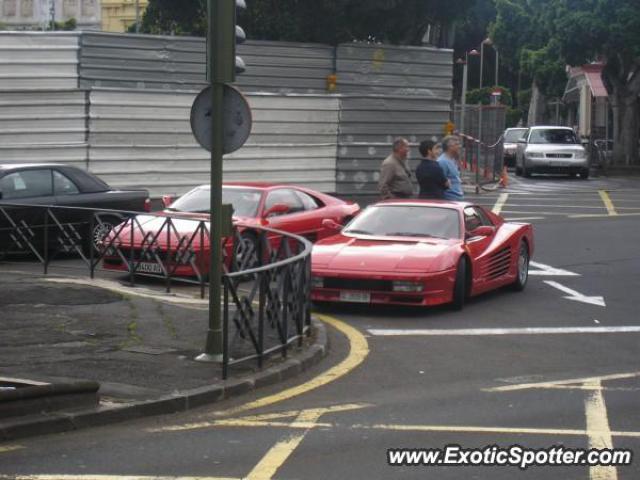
368, 126
37, 60
156, 62
36, 118
389, 70
143, 138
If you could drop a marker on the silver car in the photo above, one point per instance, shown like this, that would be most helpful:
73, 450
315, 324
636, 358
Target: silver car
551, 150
510, 138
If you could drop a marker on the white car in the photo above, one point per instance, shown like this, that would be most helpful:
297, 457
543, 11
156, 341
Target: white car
551, 150
510, 146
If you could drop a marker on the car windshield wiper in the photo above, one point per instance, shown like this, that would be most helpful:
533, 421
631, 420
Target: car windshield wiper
361, 232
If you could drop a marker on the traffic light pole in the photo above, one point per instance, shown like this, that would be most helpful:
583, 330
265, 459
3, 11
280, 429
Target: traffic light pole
221, 17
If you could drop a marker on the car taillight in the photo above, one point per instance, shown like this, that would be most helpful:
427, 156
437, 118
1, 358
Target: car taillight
147, 205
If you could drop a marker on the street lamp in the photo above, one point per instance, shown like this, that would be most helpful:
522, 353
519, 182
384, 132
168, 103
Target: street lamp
463, 100
489, 42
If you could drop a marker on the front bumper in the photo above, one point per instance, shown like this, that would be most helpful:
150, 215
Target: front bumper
438, 288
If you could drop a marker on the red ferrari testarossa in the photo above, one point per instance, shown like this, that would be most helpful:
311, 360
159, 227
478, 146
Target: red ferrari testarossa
420, 252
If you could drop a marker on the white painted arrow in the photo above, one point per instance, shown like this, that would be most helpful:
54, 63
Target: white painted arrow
577, 296
549, 271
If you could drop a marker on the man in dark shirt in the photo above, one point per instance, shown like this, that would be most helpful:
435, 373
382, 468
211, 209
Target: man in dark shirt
430, 176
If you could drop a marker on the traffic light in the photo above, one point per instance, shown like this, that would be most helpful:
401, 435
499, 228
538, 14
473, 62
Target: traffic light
223, 36
240, 37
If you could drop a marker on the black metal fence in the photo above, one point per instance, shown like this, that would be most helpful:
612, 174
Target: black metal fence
266, 280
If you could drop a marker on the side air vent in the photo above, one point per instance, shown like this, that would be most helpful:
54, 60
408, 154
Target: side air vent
498, 264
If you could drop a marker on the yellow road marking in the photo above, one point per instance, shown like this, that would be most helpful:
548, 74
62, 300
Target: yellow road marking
587, 382
502, 199
265, 420
106, 477
278, 454
358, 351
281, 451
599, 431
606, 199
10, 448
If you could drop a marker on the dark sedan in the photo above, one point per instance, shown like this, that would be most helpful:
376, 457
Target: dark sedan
58, 185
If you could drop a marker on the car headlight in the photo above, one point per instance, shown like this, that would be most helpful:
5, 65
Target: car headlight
408, 286
535, 155
580, 155
317, 282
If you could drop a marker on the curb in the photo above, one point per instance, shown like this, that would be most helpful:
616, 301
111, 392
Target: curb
59, 422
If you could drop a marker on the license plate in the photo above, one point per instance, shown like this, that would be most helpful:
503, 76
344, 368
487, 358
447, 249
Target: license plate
149, 268
356, 297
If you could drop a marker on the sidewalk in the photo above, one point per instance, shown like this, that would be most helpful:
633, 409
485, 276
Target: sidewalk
138, 350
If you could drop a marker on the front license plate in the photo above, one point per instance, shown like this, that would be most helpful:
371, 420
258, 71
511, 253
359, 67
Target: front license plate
356, 297
149, 268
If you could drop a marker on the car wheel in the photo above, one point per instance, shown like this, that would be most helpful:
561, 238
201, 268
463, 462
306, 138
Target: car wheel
100, 230
460, 287
522, 265
525, 171
584, 174
246, 252
518, 171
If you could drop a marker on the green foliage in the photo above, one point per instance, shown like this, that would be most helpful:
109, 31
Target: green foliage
543, 36
524, 98
68, 26
483, 95
514, 115
324, 21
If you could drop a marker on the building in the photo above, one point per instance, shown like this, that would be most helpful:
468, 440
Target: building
119, 15
587, 102
38, 14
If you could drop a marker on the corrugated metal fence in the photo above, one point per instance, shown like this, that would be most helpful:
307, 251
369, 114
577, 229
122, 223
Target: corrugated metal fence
119, 105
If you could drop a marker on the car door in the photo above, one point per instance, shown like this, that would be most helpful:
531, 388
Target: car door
297, 220
478, 245
21, 227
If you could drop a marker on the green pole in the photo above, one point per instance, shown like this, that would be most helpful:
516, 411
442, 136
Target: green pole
221, 22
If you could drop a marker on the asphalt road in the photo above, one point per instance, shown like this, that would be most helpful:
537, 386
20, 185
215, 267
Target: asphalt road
413, 378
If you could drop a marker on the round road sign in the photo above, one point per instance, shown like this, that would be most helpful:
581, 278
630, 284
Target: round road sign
237, 119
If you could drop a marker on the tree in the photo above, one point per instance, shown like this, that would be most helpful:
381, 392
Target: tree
402, 22
543, 36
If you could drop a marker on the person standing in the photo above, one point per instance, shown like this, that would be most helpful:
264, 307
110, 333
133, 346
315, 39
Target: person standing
449, 163
429, 174
395, 176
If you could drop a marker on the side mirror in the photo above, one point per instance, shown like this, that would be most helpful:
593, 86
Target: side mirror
483, 231
329, 224
277, 209
167, 200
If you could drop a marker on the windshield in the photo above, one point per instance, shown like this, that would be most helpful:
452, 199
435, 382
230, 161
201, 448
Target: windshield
554, 136
512, 136
406, 221
245, 201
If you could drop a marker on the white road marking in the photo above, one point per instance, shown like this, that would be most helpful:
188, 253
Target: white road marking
549, 271
380, 332
577, 296
502, 199
520, 219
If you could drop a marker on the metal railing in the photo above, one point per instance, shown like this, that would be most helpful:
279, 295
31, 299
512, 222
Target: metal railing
266, 280
482, 163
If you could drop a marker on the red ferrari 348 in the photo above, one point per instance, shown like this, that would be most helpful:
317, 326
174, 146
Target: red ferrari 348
287, 208
421, 252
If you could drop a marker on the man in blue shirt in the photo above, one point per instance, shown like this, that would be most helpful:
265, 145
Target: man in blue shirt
449, 163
